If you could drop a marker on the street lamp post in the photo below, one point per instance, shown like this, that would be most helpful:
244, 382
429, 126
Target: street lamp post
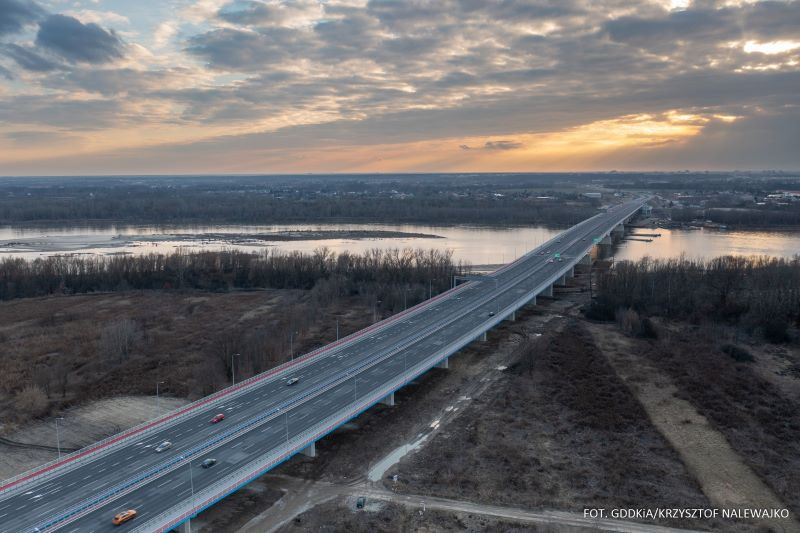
58, 437
158, 401
291, 342
233, 374
191, 479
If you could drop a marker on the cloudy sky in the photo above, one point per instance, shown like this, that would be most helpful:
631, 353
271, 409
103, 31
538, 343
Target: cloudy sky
246, 86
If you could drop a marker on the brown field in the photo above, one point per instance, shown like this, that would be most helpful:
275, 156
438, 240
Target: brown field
62, 351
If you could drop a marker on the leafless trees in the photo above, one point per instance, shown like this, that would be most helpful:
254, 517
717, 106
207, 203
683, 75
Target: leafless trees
756, 292
117, 339
399, 276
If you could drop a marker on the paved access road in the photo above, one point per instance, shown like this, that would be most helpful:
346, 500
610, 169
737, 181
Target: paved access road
409, 339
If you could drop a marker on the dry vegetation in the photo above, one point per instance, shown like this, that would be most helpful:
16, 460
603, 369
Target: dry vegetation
61, 351
562, 431
340, 515
759, 419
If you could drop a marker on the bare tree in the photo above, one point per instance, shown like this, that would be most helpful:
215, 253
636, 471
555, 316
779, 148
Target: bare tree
118, 338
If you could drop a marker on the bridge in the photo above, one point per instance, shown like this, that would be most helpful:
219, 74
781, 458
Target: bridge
267, 420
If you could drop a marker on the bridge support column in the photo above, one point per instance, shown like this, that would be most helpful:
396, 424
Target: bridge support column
484, 337
571, 272
532, 300
607, 240
548, 291
444, 362
310, 450
586, 260
185, 527
513, 316
389, 400
562, 280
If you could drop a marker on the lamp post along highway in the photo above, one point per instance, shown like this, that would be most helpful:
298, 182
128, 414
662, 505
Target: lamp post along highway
233, 374
58, 437
158, 402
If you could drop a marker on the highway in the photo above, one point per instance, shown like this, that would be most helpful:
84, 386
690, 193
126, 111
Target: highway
266, 415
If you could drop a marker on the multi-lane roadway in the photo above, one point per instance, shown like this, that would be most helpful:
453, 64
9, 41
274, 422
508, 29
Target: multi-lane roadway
268, 416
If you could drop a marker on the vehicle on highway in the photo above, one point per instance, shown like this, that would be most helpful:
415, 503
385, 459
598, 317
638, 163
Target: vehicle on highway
292, 381
219, 417
491, 313
166, 445
123, 517
208, 463
560, 259
541, 253
550, 260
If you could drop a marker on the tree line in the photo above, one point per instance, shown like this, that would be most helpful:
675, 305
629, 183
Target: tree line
758, 293
395, 277
772, 216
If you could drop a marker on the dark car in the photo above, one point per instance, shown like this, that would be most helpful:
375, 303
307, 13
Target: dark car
208, 463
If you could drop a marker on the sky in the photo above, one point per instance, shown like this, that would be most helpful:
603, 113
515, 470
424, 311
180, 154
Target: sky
324, 86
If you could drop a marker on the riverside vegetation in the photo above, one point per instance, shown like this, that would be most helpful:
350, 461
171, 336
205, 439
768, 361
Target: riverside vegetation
130, 322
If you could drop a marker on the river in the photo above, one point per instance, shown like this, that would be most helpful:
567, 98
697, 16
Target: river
473, 244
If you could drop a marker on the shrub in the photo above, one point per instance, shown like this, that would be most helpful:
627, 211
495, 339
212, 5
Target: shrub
739, 354
647, 329
628, 321
31, 402
776, 330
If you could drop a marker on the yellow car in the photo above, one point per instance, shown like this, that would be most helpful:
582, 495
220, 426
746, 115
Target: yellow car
124, 516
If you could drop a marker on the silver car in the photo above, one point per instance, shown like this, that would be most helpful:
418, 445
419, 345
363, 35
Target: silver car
166, 445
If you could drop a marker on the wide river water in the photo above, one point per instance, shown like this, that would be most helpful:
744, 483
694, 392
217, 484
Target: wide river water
476, 245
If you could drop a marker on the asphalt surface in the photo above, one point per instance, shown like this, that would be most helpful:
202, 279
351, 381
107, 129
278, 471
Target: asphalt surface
418, 334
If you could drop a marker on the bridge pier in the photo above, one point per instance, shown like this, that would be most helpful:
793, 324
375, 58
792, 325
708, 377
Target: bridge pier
185, 527
444, 362
484, 337
513, 316
607, 240
389, 400
561, 281
548, 291
586, 260
571, 272
310, 450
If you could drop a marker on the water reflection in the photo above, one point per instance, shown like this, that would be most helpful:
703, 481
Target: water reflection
706, 244
476, 245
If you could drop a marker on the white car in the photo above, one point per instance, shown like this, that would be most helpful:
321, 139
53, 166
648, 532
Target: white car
166, 445
292, 381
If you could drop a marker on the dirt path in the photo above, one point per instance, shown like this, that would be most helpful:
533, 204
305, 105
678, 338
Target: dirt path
301, 495
724, 477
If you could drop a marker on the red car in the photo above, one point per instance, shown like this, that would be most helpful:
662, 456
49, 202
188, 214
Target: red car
218, 418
